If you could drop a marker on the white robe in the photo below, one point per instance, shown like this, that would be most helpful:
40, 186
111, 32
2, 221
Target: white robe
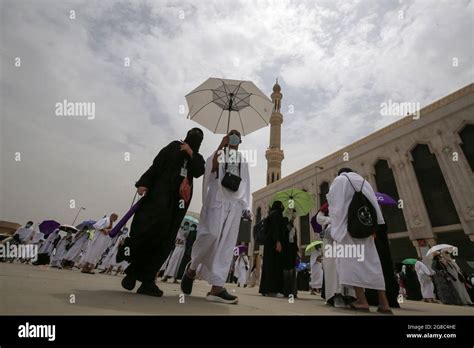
48, 246
219, 224
351, 271
424, 272
60, 251
316, 270
176, 255
24, 234
454, 270
241, 268
110, 259
98, 244
80, 243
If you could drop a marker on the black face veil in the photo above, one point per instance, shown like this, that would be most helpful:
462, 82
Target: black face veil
194, 138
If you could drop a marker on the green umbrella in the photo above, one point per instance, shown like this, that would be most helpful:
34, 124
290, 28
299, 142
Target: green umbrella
311, 246
409, 261
296, 199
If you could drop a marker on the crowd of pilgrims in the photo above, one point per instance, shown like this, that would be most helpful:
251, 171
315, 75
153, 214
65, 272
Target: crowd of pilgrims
161, 244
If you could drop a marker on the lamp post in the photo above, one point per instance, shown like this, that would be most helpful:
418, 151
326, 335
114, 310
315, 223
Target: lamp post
81, 208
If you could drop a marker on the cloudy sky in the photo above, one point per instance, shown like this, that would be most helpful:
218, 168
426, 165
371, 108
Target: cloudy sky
336, 61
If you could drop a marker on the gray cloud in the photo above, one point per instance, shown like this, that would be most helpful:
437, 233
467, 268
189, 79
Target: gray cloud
336, 62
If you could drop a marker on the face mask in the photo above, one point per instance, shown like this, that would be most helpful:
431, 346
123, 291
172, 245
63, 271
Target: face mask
28, 225
185, 227
234, 140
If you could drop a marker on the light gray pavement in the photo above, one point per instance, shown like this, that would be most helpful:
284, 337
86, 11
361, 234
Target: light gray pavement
40, 290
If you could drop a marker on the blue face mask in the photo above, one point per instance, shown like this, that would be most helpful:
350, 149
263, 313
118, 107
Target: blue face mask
234, 140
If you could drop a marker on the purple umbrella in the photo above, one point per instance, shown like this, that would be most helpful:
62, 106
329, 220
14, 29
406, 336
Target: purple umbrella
48, 226
125, 218
317, 228
384, 199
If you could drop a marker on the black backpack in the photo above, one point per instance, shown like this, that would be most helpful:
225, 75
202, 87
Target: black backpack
260, 232
361, 217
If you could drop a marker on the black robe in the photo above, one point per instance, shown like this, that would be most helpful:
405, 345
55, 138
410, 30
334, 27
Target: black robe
391, 285
188, 248
157, 221
272, 264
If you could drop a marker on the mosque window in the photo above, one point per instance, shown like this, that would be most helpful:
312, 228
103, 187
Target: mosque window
386, 183
434, 190
467, 144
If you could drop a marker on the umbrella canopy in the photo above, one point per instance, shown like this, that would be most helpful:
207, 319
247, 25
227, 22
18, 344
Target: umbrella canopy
221, 105
439, 248
384, 199
87, 223
48, 226
297, 199
409, 261
68, 228
311, 246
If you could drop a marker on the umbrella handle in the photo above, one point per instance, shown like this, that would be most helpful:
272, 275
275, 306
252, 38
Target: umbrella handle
134, 198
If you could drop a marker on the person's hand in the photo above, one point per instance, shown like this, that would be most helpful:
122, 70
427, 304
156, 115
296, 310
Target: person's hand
187, 148
142, 190
106, 231
278, 247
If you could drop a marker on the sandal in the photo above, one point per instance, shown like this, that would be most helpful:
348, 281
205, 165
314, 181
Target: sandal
359, 309
384, 311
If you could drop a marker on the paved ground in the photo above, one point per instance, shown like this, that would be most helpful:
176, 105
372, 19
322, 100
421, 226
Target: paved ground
26, 289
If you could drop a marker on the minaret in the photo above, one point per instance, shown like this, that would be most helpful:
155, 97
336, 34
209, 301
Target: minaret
274, 153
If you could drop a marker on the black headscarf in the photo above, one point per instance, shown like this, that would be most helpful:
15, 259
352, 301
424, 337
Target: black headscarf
194, 138
277, 206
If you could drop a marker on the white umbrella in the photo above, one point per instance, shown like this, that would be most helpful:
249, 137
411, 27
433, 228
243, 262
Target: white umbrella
221, 105
440, 247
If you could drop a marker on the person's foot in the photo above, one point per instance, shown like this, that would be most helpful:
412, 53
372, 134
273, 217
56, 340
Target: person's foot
384, 311
164, 279
187, 282
274, 294
223, 297
245, 285
150, 289
128, 283
355, 306
175, 281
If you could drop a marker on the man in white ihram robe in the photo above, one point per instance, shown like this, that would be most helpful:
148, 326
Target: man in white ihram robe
316, 269
171, 270
424, 274
220, 220
241, 268
25, 233
61, 250
78, 245
364, 270
98, 244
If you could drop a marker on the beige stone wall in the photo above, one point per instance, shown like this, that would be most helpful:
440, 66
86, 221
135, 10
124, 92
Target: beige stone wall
437, 127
